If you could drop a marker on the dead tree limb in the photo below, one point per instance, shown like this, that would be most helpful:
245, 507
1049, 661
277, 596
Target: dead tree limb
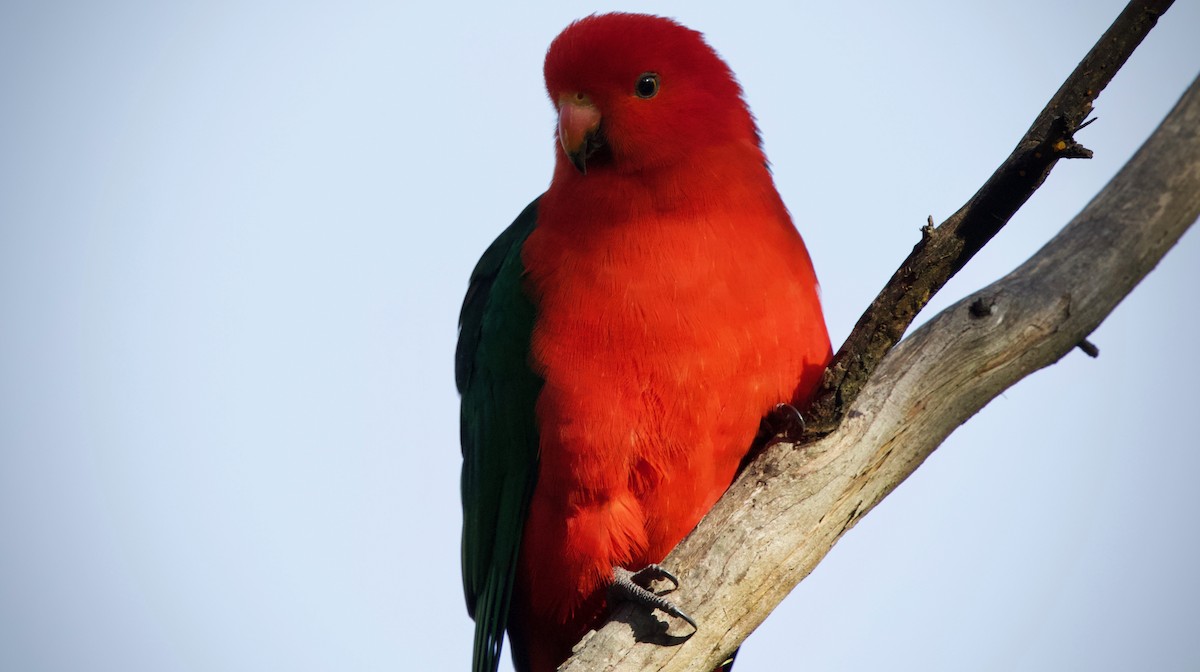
945, 250
792, 504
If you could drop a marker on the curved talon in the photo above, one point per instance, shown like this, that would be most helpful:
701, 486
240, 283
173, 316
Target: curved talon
652, 572
635, 587
784, 421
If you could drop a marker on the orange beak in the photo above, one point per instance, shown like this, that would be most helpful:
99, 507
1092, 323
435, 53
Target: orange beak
578, 126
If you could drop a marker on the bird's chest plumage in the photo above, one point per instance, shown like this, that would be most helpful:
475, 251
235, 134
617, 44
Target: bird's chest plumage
657, 343
669, 317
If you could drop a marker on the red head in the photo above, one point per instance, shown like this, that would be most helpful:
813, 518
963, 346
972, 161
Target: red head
636, 92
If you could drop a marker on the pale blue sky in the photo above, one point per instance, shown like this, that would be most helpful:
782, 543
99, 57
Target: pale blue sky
233, 242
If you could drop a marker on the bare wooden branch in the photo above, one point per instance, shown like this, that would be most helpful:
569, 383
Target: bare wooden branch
790, 506
944, 251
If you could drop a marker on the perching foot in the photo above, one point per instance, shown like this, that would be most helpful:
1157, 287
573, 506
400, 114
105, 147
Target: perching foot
634, 587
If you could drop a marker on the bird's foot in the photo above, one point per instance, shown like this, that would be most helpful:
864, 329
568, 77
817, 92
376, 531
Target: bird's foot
782, 423
635, 587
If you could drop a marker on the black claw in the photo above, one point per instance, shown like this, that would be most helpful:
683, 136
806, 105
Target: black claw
635, 587
651, 573
783, 421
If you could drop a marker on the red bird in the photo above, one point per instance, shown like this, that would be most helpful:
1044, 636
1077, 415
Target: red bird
622, 339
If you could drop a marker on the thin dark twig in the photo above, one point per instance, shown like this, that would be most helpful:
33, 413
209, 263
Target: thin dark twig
944, 251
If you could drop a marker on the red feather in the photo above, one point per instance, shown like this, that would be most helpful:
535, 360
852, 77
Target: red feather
676, 305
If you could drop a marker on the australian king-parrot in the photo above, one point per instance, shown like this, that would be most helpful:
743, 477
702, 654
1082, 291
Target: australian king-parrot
620, 342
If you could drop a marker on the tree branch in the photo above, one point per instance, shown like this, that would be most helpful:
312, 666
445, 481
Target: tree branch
788, 508
945, 250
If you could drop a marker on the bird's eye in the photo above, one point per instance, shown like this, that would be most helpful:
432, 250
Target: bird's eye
647, 85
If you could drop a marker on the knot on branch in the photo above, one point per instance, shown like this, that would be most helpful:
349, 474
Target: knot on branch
982, 307
1036, 155
927, 230
1068, 148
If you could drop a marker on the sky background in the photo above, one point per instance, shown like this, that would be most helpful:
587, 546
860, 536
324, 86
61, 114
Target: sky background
234, 238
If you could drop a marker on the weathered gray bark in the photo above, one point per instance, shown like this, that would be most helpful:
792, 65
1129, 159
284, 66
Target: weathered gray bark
790, 506
946, 249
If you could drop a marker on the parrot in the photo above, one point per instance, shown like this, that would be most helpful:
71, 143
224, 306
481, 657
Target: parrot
621, 342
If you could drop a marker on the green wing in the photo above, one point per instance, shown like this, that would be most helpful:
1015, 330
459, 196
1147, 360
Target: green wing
499, 432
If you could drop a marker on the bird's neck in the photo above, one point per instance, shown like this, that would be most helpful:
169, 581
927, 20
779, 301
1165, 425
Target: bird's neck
732, 175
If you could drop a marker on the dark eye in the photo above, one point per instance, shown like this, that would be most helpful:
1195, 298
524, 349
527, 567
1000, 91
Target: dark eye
647, 85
